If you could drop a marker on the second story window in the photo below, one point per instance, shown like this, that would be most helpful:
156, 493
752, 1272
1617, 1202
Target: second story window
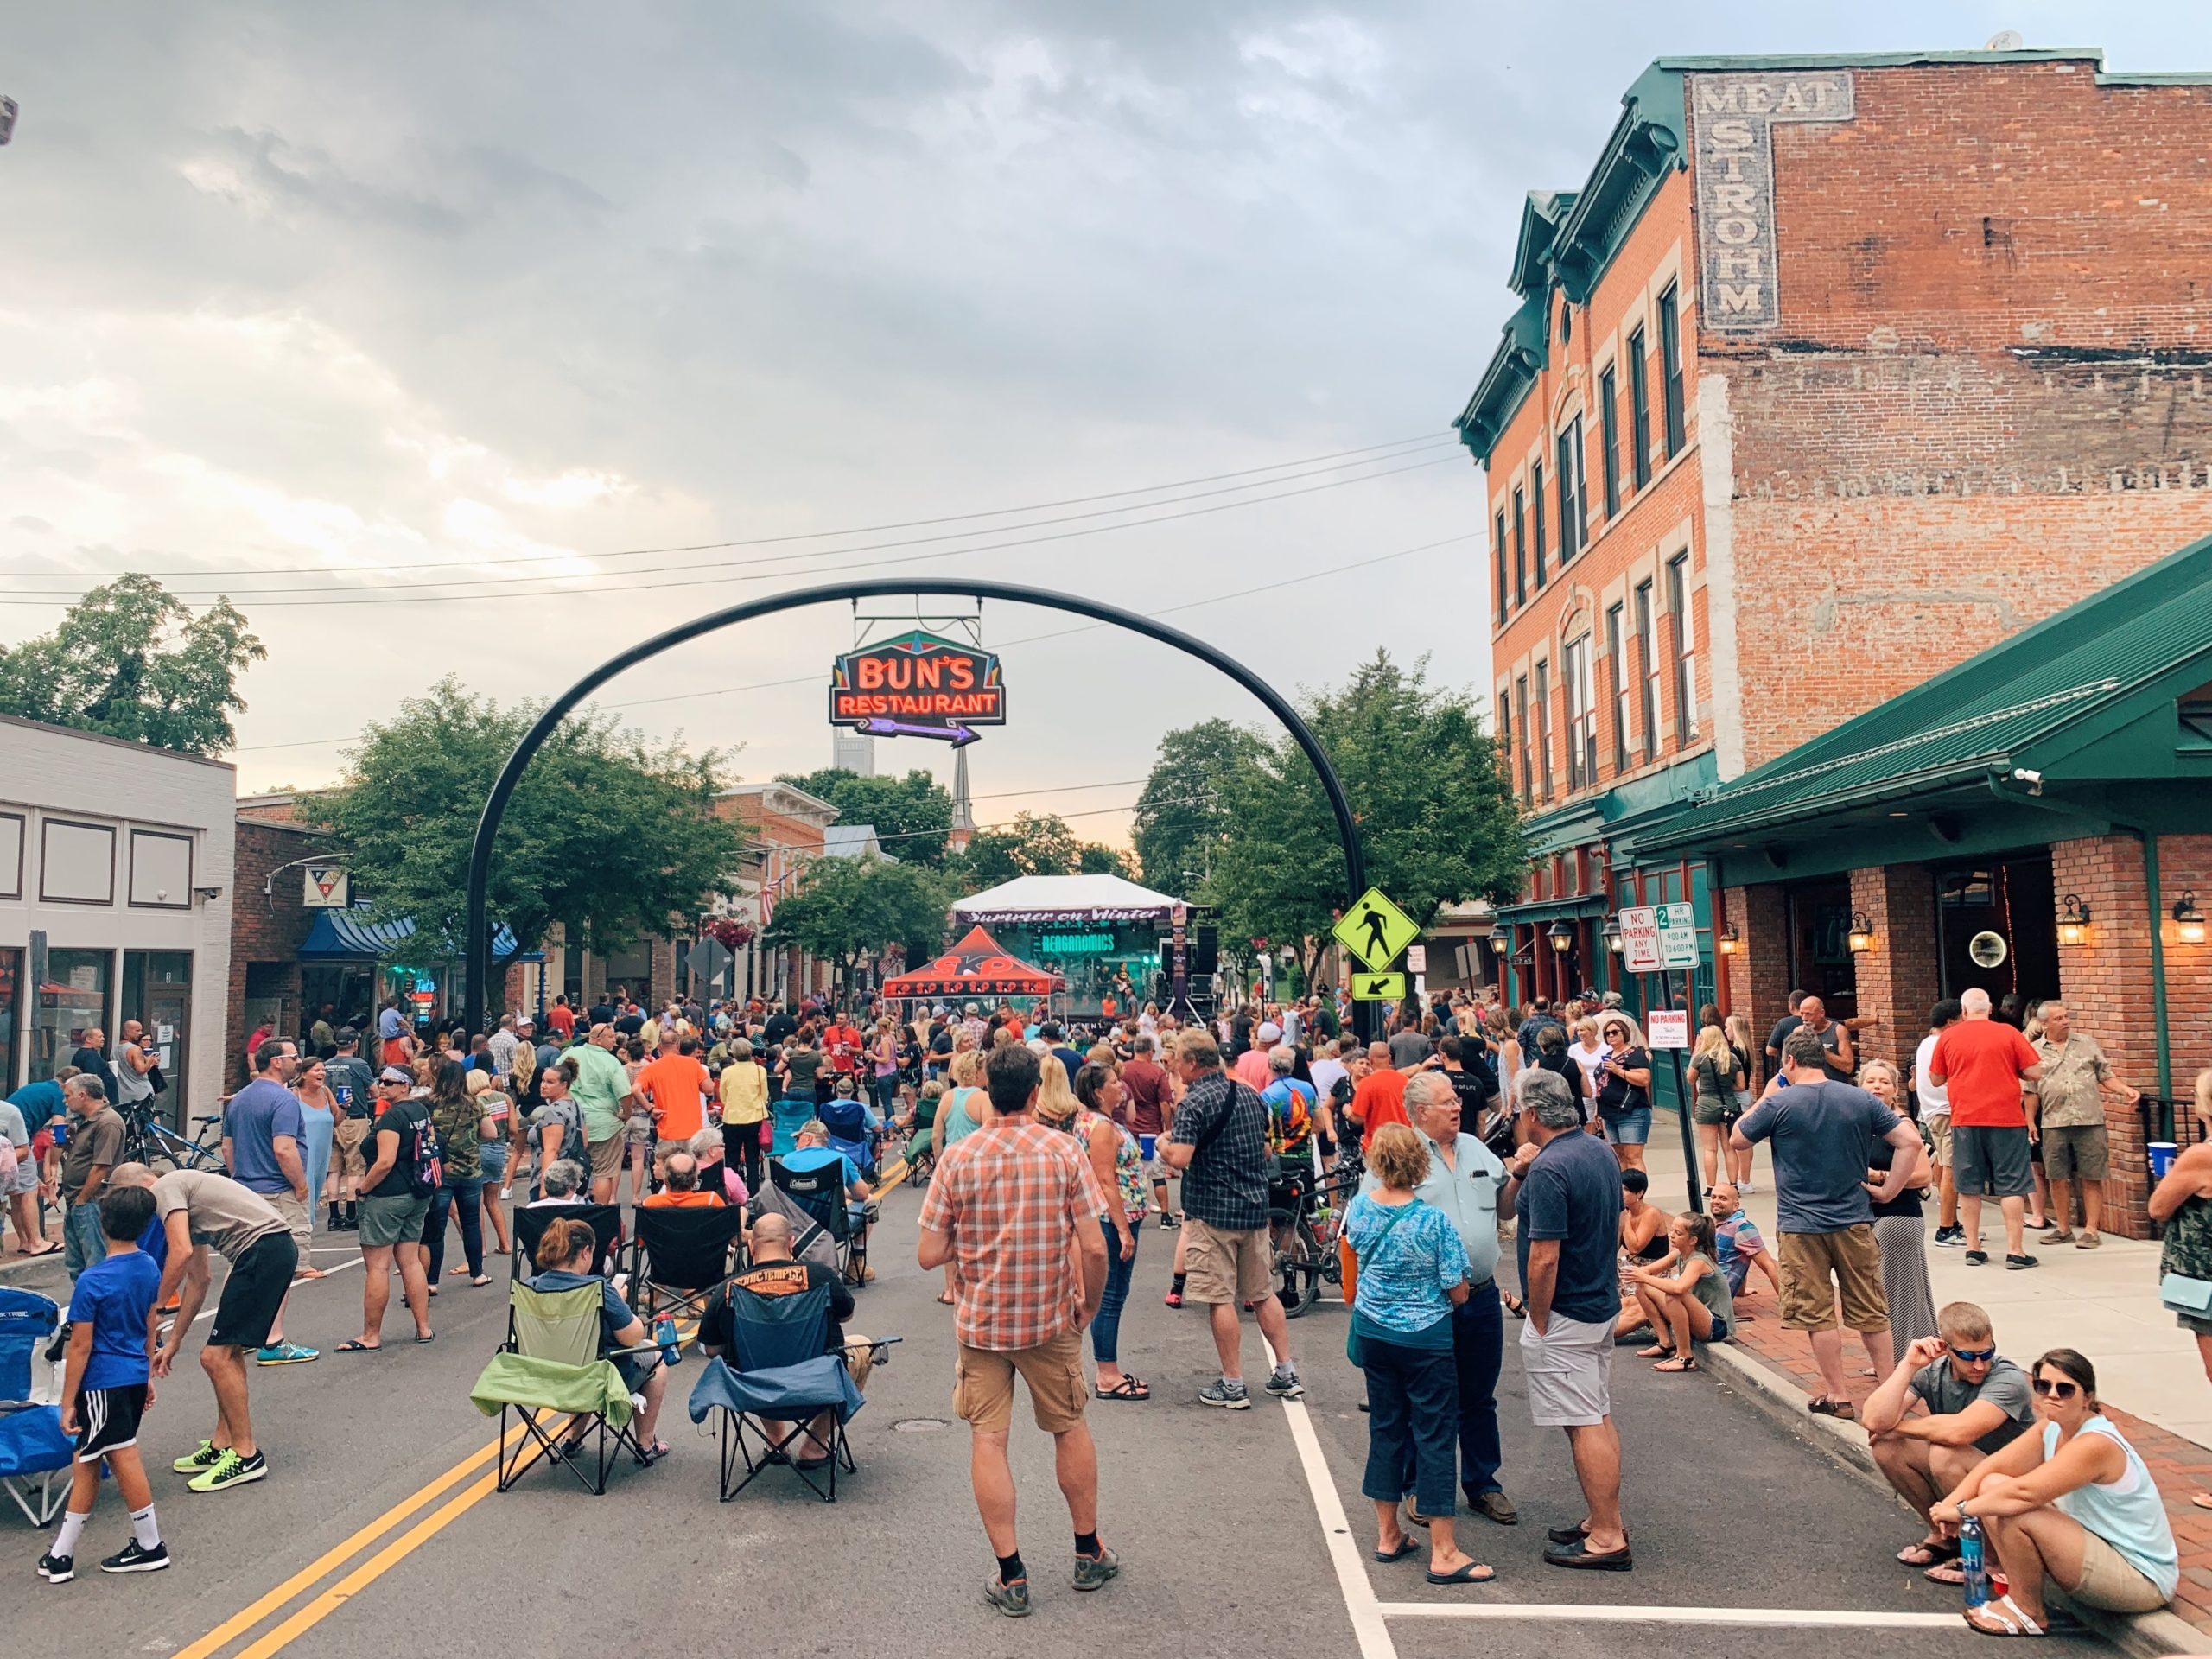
1573, 493
1498, 545
1648, 660
1544, 728
1617, 657
1537, 500
1521, 719
1520, 546
1608, 435
1670, 370
1684, 640
1639, 410
1581, 716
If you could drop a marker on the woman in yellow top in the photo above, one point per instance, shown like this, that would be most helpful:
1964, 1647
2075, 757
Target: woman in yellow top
744, 1092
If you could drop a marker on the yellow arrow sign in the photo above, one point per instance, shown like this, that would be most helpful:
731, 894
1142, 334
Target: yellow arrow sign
1376, 930
1378, 988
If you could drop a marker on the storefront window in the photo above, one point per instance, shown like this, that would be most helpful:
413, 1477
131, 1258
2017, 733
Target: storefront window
71, 1000
11, 1015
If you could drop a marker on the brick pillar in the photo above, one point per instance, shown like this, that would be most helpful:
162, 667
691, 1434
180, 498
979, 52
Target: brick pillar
2106, 983
1897, 979
2185, 865
660, 971
1761, 963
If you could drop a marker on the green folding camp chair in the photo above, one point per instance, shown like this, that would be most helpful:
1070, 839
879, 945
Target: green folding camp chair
550, 1368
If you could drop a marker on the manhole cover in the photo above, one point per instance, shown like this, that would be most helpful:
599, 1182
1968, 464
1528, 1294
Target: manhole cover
917, 1425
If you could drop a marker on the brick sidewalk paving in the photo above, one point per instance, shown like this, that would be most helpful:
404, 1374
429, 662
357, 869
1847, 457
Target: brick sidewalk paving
2179, 1466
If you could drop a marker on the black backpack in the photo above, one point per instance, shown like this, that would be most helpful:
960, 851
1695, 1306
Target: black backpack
426, 1157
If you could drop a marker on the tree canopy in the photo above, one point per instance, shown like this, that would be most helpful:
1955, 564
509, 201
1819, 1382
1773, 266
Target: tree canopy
1035, 843
1183, 816
605, 832
846, 909
130, 660
912, 815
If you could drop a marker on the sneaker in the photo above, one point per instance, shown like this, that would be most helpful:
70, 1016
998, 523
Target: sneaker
1230, 1396
1167, 1221
57, 1569
1977, 1256
133, 1558
231, 1469
1092, 1572
2017, 1263
1012, 1600
286, 1353
1951, 1237
198, 1462
1285, 1385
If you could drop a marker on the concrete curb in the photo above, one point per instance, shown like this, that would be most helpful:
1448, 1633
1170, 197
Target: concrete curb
2141, 1635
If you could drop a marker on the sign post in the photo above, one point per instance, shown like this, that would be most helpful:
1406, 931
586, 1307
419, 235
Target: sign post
1655, 939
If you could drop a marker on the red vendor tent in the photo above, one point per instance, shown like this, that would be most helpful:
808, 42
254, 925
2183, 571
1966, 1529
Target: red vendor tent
978, 967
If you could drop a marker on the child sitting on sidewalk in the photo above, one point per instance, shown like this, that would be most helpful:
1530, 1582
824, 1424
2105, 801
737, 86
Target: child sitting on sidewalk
1683, 1295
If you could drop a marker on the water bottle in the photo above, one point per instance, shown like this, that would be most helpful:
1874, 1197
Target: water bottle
1971, 1563
664, 1334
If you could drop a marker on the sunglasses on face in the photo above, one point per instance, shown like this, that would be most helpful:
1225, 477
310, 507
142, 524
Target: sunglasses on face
2047, 1386
1974, 1356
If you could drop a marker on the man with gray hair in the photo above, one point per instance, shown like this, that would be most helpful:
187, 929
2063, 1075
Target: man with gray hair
1980, 1064
1565, 1190
561, 1183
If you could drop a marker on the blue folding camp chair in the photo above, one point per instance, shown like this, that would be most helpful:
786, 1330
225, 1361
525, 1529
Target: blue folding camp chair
790, 1115
846, 1122
776, 1370
33, 1448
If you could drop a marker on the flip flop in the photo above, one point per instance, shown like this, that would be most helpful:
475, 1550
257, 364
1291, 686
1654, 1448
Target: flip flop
1129, 1388
1657, 1350
2202, 1500
352, 1345
1406, 1547
1929, 1552
1473, 1572
52, 1248
1947, 1572
433, 1337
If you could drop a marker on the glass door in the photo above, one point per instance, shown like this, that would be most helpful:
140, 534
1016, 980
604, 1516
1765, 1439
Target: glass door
157, 993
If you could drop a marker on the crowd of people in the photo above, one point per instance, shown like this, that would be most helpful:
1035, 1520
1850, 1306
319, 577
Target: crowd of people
1043, 1152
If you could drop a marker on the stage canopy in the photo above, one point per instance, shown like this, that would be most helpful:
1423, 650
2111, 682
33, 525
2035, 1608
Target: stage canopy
976, 968
1066, 899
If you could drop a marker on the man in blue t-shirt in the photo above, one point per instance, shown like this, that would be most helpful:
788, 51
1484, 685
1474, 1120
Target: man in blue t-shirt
264, 1135
1565, 1190
814, 1152
106, 1387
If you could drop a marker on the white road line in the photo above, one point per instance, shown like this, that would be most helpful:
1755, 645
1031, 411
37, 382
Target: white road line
1565, 1612
1344, 1552
327, 1272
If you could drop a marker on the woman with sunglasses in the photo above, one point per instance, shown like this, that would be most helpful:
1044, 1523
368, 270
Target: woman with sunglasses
2071, 1503
1624, 1080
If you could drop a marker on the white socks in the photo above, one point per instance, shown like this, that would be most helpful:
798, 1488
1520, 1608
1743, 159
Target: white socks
143, 1530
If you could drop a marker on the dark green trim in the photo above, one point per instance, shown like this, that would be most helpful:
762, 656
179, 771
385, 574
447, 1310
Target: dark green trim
1646, 143
1545, 910
1520, 357
1540, 217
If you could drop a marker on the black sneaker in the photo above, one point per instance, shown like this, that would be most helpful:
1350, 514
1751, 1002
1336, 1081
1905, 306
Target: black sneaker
133, 1558
1950, 1237
57, 1569
2016, 1263
1976, 1257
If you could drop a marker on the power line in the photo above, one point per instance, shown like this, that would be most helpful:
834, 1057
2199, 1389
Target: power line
1403, 446
1026, 639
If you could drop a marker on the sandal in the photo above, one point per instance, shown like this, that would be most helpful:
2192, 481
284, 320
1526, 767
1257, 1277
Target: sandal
481, 1281
2202, 1500
1929, 1552
1657, 1351
52, 1248
1406, 1547
1946, 1572
947, 1300
1821, 1406
1129, 1388
1677, 1366
648, 1456
354, 1345
2002, 1617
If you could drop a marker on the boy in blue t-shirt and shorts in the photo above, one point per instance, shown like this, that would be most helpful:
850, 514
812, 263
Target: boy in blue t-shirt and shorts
106, 1387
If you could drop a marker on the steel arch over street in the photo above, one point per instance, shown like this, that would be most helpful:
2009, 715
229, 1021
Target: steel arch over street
495, 805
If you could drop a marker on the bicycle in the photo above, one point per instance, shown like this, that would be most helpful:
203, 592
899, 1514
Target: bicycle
1303, 1244
147, 1140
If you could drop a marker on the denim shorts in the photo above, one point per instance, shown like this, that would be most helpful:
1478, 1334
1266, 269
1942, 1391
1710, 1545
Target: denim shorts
1627, 1128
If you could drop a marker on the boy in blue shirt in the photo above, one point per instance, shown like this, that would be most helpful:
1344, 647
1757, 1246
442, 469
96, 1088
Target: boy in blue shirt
106, 1387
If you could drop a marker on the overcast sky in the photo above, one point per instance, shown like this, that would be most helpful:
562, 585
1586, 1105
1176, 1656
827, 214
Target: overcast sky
306, 291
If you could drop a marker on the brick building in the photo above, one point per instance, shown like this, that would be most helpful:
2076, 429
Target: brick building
1836, 372
789, 829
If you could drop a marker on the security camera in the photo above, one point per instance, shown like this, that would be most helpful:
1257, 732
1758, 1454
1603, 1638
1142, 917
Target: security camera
2029, 776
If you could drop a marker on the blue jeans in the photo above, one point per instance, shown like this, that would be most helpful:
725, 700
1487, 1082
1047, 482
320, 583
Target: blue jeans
465, 1198
82, 1242
1106, 1327
1478, 1349
1412, 1411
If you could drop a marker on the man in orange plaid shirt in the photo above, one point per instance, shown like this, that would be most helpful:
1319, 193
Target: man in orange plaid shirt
1004, 1207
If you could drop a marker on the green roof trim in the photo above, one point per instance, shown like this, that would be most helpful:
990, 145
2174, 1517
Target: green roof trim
2089, 54
1540, 217
2057, 699
1520, 357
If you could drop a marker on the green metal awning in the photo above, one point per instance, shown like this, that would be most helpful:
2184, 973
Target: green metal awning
1545, 910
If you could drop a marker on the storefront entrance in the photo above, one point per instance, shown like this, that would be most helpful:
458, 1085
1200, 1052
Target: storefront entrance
1820, 962
1997, 927
157, 993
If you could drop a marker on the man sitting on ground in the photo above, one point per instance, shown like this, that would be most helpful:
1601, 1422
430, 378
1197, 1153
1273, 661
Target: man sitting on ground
1972, 1402
814, 1152
774, 1273
683, 1190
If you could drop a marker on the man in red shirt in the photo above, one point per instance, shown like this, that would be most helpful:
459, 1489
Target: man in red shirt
841, 1043
676, 1086
1380, 1097
1980, 1064
1144, 1094
562, 1019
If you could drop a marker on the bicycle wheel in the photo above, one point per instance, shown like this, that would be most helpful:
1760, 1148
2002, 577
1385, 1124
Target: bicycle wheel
1297, 1264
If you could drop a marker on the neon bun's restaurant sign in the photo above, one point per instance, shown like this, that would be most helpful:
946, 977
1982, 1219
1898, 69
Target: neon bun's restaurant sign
918, 680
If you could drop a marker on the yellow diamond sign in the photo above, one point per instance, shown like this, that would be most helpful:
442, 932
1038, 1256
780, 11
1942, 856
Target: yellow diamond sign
1376, 930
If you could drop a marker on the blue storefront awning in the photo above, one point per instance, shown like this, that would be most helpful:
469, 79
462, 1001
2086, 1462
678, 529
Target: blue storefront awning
344, 936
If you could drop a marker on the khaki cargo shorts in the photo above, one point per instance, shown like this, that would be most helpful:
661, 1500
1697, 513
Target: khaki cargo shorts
1852, 1261
1225, 1265
982, 1385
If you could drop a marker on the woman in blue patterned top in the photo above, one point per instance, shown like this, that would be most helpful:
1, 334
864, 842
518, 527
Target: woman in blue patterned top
1412, 1270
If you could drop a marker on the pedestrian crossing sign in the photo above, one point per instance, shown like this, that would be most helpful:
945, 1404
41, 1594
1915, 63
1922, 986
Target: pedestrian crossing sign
1376, 930
1378, 988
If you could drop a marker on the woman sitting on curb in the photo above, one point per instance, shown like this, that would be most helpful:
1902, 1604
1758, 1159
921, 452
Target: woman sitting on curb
2072, 1502
1683, 1295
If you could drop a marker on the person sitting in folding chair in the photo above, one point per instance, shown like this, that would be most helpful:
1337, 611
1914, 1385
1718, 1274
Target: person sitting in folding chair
815, 1155
682, 1253
739, 1327
851, 1126
565, 1255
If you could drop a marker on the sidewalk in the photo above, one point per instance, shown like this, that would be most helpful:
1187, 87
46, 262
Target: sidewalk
2103, 1302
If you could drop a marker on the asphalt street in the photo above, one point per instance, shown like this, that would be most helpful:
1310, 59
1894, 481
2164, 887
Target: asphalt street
375, 1528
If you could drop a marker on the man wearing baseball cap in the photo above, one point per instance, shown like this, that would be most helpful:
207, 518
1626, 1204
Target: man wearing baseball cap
1251, 1067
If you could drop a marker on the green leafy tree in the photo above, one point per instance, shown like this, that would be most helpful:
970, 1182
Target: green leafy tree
1435, 811
605, 833
912, 815
1183, 816
1095, 858
848, 909
129, 660
1033, 844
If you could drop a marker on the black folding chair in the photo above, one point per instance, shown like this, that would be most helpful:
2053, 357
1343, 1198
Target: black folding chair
821, 1193
681, 1258
605, 1221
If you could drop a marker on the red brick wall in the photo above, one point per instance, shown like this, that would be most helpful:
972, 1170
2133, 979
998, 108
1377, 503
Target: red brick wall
1759, 971
1985, 401
1897, 978
264, 929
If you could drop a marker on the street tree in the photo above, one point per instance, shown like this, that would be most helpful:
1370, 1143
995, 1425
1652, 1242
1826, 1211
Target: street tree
1434, 808
130, 660
912, 815
606, 833
1182, 817
1095, 858
847, 909
1033, 844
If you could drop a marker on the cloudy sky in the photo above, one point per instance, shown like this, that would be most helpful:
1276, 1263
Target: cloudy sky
424, 331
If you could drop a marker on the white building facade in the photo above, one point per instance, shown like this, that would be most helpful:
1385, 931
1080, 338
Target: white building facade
116, 871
